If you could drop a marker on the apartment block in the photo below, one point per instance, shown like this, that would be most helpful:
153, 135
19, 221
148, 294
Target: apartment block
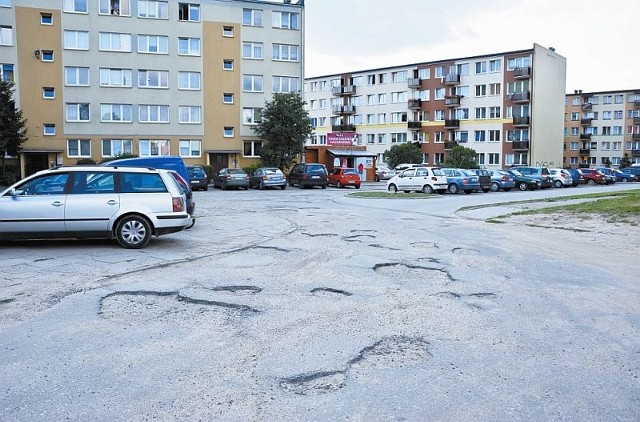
508, 107
97, 78
601, 128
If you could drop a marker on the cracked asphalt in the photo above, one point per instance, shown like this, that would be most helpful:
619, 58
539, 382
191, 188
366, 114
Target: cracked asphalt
313, 305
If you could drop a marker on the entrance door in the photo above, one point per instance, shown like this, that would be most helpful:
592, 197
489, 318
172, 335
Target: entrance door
219, 161
35, 162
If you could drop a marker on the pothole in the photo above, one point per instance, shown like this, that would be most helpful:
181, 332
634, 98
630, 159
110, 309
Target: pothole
320, 234
357, 237
402, 271
331, 291
316, 383
424, 245
237, 289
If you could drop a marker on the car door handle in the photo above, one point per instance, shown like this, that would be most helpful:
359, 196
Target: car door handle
112, 202
57, 204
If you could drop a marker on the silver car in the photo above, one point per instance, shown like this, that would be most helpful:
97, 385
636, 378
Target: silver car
384, 173
126, 203
419, 179
561, 177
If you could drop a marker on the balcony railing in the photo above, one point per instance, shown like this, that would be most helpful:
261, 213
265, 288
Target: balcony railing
522, 72
636, 120
343, 128
452, 100
635, 137
585, 151
520, 97
586, 122
635, 152
344, 90
452, 79
636, 105
449, 144
521, 121
414, 125
520, 145
451, 123
413, 82
585, 136
584, 166
414, 103
587, 106
344, 109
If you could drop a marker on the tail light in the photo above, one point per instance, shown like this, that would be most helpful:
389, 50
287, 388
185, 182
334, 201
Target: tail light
265, 178
465, 181
504, 178
435, 179
178, 204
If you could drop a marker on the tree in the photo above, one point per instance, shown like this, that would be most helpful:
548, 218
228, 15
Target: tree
402, 153
284, 128
625, 161
461, 157
13, 131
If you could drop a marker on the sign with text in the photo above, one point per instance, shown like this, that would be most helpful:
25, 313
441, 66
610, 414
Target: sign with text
342, 139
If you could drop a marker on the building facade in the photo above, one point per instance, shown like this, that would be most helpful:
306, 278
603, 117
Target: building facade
98, 78
601, 128
508, 107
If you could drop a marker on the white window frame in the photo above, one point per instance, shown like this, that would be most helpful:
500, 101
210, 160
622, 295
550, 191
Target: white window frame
81, 145
161, 147
252, 50
75, 111
116, 113
252, 83
227, 31
116, 78
192, 11
190, 114
191, 81
251, 115
190, 148
189, 46
254, 148
227, 64
78, 73
49, 129
285, 84
75, 6
46, 18
153, 9
76, 40
285, 20
116, 147
153, 113
115, 41
228, 132
228, 98
149, 75
285, 52
46, 90
114, 7
153, 44
252, 17
47, 56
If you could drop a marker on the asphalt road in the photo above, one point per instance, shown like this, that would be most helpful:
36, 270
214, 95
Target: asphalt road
313, 305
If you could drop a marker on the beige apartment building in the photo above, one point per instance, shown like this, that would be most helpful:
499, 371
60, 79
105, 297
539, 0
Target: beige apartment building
601, 128
507, 106
97, 78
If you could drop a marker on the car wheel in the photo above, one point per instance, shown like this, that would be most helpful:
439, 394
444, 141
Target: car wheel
557, 184
324, 186
290, 182
591, 182
625, 180
357, 186
377, 178
485, 190
339, 185
223, 186
453, 188
523, 186
283, 187
427, 189
392, 188
495, 186
133, 232
206, 187
261, 186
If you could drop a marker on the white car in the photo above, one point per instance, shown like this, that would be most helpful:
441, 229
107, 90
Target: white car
129, 204
419, 179
561, 177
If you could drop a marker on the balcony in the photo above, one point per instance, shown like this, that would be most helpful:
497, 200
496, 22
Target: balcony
635, 137
585, 136
636, 120
452, 79
522, 72
520, 145
587, 106
636, 105
452, 100
343, 90
586, 122
413, 82
450, 145
414, 125
343, 109
343, 128
585, 151
584, 166
520, 97
635, 152
452, 123
414, 104
521, 121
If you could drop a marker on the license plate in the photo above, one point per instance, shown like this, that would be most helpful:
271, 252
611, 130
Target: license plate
315, 177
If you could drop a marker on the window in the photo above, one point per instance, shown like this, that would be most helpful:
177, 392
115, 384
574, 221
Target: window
189, 46
6, 35
228, 132
371, 119
75, 6
382, 98
227, 98
438, 158
481, 90
190, 148
285, 52
618, 99
76, 76
607, 99
480, 135
115, 41
116, 113
617, 114
382, 138
189, 114
494, 113
251, 116
112, 147
518, 62
189, 80
285, 20
77, 112
462, 136
481, 112
480, 159
439, 94
46, 56
252, 148
516, 159
227, 64
149, 113
189, 12
6, 72
400, 76
495, 89
606, 115
440, 115
398, 97
227, 31
382, 118
78, 148
398, 117
494, 136
606, 146
153, 9
48, 129
575, 116
252, 50
153, 78
398, 138
48, 93
574, 146
252, 83
154, 44
285, 84
252, 17
154, 147
46, 18
495, 65
575, 131
114, 7
481, 67
115, 77
461, 113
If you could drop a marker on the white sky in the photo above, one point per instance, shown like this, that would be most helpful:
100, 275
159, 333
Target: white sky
599, 38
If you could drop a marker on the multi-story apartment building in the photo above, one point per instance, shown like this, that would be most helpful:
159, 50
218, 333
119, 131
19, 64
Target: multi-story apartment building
508, 107
601, 127
96, 78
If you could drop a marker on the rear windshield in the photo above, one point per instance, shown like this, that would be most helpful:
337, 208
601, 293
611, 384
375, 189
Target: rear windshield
438, 172
195, 171
315, 168
350, 171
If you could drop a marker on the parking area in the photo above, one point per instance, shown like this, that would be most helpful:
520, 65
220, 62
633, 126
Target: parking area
311, 304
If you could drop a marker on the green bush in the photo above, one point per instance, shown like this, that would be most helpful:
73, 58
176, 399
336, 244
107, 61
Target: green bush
250, 169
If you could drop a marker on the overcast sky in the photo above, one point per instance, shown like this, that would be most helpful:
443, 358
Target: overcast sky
598, 38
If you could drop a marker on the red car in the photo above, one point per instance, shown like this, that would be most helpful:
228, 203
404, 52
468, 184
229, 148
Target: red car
341, 177
593, 177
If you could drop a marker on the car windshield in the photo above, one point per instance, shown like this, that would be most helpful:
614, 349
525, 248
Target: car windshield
315, 168
469, 173
438, 172
235, 171
272, 171
516, 172
195, 172
350, 171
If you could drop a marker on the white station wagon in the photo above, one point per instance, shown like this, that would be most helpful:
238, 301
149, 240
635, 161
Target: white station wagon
419, 179
126, 203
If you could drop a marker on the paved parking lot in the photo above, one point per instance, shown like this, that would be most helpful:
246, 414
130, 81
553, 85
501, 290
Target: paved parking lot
315, 305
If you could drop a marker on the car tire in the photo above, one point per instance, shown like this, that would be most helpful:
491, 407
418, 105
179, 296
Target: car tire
357, 186
523, 186
392, 188
453, 188
506, 189
324, 186
591, 182
427, 189
486, 190
625, 180
261, 186
557, 184
133, 232
495, 186
206, 187
339, 185
377, 178
283, 187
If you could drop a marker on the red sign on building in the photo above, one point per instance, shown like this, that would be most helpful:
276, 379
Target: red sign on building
342, 139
